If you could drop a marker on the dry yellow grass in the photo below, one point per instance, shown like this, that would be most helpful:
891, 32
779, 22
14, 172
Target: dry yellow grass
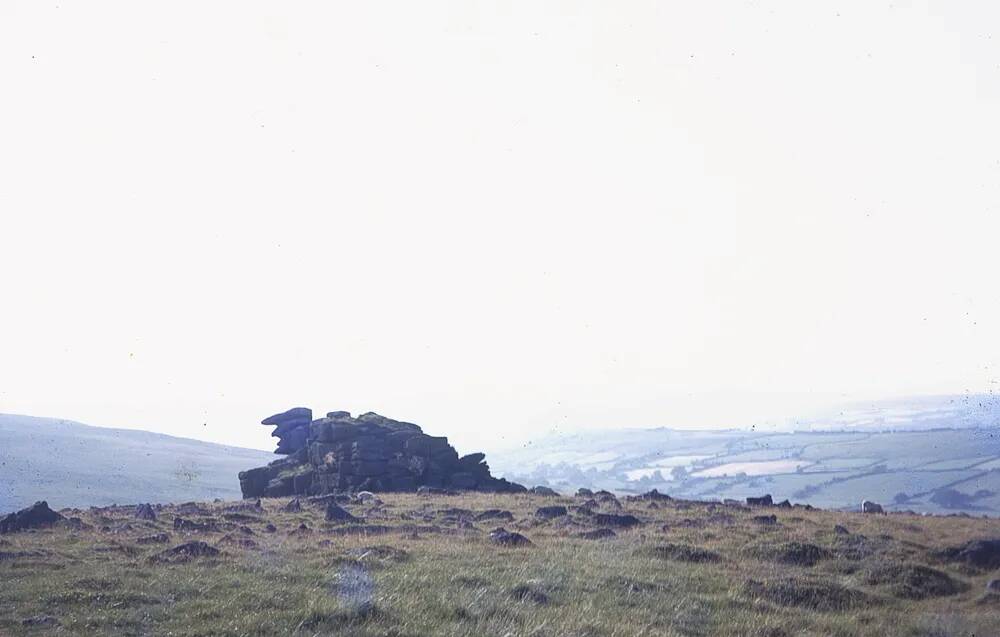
688, 569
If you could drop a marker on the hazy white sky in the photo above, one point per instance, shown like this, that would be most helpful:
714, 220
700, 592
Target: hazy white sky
494, 218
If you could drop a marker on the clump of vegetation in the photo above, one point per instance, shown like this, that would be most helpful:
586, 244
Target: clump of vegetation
797, 553
685, 553
429, 566
531, 593
818, 596
913, 581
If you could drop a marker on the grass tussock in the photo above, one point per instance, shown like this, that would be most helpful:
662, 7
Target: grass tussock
427, 566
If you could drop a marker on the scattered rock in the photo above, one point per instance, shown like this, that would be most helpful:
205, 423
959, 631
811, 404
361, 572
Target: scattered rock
841, 530
984, 554
145, 512
191, 508
766, 520
75, 524
993, 586
185, 552
784, 504
503, 537
208, 526
551, 512
254, 507
606, 497
615, 520
37, 516
301, 530
494, 514
455, 514
764, 500
546, 491
597, 534
584, 493
270, 528
156, 538
336, 513
650, 496
293, 506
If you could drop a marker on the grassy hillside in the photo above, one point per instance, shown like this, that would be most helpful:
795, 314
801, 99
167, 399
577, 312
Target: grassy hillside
71, 464
426, 566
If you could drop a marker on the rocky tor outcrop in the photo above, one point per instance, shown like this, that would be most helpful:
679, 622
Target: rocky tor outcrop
37, 516
341, 453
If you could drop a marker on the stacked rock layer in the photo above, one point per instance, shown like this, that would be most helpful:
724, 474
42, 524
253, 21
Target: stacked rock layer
292, 430
340, 453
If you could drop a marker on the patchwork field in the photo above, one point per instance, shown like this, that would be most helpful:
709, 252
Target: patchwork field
937, 471
429, 565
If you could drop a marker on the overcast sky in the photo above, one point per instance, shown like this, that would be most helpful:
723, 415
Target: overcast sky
494, 218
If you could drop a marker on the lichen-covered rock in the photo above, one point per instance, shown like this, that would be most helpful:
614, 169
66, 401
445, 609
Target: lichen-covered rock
340, 453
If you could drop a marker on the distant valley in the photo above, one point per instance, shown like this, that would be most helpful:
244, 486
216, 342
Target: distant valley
929, 454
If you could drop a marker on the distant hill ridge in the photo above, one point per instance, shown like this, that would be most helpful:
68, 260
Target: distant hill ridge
73, 464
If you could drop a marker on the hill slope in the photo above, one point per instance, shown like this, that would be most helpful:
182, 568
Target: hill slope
71, 464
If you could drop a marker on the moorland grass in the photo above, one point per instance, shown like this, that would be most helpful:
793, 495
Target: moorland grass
688, 569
